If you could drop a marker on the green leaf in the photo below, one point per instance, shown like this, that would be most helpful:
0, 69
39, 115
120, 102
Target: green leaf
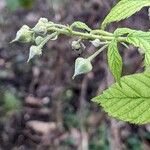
141, 40
80, 25
124, 9
131, 102
123, 31
114, 60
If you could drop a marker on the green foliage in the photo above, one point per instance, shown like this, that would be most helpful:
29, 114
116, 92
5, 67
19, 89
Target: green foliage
26, 3
122, 31
128, 99
114, 60
100, 141
11, 103
124, 9
70, 118
134, 143
141, 40
129, 102
14, 4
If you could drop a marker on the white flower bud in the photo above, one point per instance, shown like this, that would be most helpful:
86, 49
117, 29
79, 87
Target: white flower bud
44, 20
96, 42
76, 45
41, 26
24, 35
82, 66
34, 50
39, 40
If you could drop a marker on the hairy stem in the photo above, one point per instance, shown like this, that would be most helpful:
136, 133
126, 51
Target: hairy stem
101, 32
94, 34
48, 37
97, 53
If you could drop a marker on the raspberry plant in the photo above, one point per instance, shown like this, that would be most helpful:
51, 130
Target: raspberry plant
129, 98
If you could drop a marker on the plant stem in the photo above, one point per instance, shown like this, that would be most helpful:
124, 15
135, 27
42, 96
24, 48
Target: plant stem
47, 38
101, 32
106, 36
97, 53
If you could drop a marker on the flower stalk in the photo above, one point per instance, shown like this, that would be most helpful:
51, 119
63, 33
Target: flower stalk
95, 34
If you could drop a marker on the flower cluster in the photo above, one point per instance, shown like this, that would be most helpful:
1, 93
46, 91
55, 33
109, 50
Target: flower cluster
46, 30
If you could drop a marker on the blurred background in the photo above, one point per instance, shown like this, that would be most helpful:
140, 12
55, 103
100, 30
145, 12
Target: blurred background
41, 107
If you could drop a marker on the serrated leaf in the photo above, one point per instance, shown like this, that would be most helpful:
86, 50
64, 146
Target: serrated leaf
123, 31
141, 40
114, 60
131, 102
124, 9
80, 25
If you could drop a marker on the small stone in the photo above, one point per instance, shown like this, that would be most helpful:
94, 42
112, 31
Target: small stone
42, 127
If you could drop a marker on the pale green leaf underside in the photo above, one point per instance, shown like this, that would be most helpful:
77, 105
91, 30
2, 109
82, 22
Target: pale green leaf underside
131, 102
123, 31
114, 60
141, 40
124, 9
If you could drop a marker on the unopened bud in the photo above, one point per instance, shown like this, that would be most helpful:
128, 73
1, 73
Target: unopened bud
41, 26
39, 40
76, 45
44, 20
24, 35
82, 66
34, 50
96, 42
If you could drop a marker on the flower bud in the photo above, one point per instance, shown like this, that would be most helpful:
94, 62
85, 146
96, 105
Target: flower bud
96, 42
76, 45
34, 50
82, 66
39, 40
41, 26
44, 20
24, 35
